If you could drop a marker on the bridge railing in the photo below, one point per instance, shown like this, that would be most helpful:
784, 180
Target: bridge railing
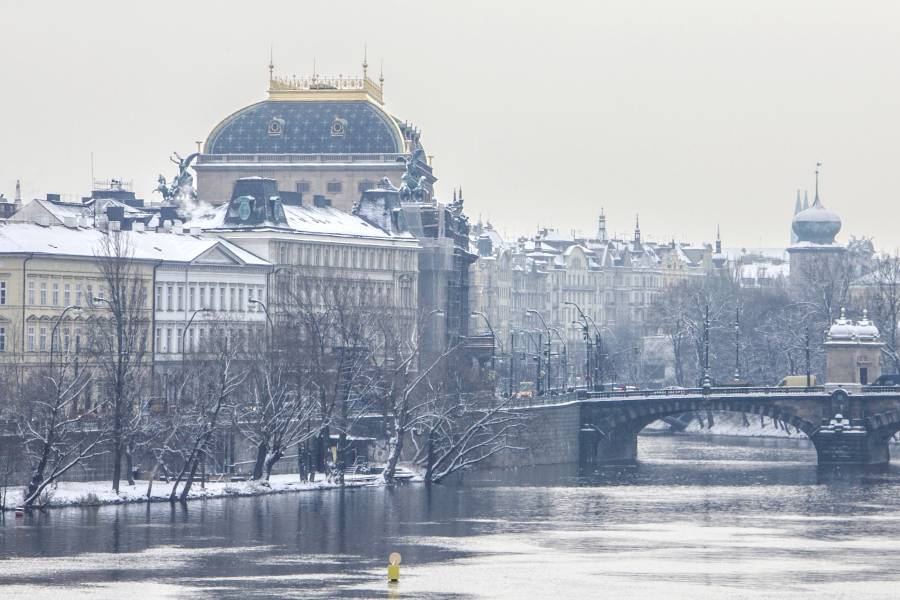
582, 394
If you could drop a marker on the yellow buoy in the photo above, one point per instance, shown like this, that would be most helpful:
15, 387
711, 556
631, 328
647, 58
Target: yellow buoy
394, 567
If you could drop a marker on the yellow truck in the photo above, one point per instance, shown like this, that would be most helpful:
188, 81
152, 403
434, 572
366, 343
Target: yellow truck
797, 381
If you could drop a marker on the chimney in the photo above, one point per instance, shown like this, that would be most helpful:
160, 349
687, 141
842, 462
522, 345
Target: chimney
18, 200
53, 197
167, 225
320, 201
138, 226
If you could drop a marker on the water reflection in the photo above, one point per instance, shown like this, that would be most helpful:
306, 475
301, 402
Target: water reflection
697, 518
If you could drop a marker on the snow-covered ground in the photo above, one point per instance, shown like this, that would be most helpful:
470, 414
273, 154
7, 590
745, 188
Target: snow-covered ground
92, 493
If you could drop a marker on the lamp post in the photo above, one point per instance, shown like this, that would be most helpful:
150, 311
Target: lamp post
808, 369
563, 360
491, 329
737, 345
532, 311
186, 327
586, 335
53, 331
270, 329
706, 383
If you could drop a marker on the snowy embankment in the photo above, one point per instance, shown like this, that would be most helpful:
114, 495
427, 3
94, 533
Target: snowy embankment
96, 493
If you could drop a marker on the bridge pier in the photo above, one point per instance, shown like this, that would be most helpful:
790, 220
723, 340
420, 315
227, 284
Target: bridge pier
856, 446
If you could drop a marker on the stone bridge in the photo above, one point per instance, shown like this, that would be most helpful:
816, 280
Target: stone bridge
846, 427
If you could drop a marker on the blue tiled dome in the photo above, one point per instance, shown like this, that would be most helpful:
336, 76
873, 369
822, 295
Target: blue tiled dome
307, 127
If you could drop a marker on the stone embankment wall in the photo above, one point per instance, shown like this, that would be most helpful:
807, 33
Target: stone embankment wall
549, 437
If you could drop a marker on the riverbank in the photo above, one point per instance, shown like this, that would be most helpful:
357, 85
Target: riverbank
100, 493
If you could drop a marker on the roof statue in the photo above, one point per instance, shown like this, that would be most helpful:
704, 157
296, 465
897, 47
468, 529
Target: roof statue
180, 190
412, 188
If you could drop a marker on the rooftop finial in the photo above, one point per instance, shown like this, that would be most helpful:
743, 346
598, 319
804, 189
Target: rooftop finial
271, 62
381, 75
718, 233
365, 64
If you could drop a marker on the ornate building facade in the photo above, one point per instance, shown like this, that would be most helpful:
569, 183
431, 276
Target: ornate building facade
315, 136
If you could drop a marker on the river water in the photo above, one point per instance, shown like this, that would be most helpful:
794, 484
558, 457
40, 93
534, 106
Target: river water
696, 518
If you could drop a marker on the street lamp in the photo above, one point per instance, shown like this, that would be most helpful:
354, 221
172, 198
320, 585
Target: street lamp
53, 331
586, 334
564, 360
532, 311
476, 313
188, 326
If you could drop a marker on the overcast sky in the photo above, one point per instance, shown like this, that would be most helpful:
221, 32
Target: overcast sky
692, 113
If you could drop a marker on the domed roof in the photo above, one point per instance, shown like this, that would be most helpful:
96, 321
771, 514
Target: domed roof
307, 127
842, 328
816, 224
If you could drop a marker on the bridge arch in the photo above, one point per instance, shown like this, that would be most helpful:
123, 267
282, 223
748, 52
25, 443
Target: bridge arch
610, 429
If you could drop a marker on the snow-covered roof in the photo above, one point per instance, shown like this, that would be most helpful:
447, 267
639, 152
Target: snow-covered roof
29, 238
325, 220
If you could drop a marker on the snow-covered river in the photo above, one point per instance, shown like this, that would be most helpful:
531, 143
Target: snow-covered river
698, 518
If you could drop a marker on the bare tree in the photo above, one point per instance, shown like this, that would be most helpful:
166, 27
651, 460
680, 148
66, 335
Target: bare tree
457, 432
215, 385
122, 344
880, 293
58, 432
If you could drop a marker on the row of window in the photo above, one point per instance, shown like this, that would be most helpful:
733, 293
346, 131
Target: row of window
334, 186
221, 297
174, 340
352, 257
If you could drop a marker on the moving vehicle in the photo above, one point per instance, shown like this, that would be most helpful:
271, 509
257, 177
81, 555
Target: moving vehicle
797, 381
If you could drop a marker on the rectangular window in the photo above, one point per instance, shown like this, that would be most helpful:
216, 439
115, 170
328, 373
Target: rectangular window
31, 339
241, 305
67, 294
30, 292
43, 293
334, 187
179, 336
303, 187
233, 299
192, 293
170, 298
42, 341
2, 339
203, 297
78, 339
90, 295
180, 297
158, 338
2, 292
55, 295
222, 298
201, 337
170, 345
67, 339
78, 294
159, 297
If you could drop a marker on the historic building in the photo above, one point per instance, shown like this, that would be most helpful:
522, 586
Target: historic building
315, 136
313, 245
180, 274
613, 283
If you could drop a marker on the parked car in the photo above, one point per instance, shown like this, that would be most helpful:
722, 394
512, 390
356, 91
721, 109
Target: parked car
887, 381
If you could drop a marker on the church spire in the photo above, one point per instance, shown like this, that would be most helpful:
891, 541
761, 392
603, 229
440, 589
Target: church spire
271, 63
637, 229
816, 201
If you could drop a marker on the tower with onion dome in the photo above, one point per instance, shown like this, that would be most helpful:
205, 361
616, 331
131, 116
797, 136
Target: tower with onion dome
815, 252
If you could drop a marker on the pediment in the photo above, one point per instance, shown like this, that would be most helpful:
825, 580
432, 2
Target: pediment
217, 255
